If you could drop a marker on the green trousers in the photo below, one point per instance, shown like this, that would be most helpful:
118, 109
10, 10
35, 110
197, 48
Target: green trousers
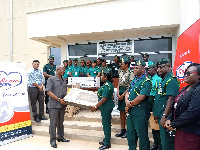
137, 127
167, 141
156, 137
106, 122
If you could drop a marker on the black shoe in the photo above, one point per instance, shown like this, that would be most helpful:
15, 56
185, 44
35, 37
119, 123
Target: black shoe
105, 147
53, 144
37, 119
154, 147
62, 140
43, 118
47, 110
123, 131
124, 136
101, 143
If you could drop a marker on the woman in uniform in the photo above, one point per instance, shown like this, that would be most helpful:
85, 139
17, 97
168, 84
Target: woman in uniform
123, 84
106, 104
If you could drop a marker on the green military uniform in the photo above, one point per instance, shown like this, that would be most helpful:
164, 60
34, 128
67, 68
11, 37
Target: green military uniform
99, 67
75, 71
137, 121
106, 90
124, 82
154, 82
150, 62
66, 75
169, 86
87, 69
50, 70
103, 69
93, 72
83, 70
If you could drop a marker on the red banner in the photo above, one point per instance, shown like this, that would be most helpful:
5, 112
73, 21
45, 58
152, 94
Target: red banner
188, 51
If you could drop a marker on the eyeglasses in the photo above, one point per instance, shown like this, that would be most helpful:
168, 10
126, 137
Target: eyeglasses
161, 66
188, 73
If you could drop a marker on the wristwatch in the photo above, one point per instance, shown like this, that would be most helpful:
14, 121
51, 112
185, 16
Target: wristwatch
164, 116
58, 99
95, 106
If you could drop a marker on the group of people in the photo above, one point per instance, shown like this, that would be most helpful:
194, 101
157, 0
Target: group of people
143, 87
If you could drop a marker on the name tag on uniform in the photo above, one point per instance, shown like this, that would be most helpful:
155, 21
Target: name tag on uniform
175, 105
67, 72
75, 73
95, 72
116, 68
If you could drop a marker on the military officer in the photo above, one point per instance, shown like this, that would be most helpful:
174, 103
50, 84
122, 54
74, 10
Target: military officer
106, 104
48, 71
66, 75
94, 71
145, 57
74, 71
103, 66
88, 66
83, 72
123, 84
115, 66
99, 61
155, 79
167, 89
137, 102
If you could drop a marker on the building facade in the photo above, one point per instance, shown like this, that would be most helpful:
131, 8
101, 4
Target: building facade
30, 29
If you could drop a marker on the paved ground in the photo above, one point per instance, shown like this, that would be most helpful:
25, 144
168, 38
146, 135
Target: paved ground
42, 143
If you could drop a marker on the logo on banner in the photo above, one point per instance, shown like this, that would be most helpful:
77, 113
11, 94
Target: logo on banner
6, 111
11, 79
181, 69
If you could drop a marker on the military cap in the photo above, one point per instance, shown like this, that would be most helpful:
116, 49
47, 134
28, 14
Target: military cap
145, 54
103, 60
163, 61
132, 56
51, 56
140, 63
75, 59
123, 60
106, 71
94, 61
152, 66
65, 61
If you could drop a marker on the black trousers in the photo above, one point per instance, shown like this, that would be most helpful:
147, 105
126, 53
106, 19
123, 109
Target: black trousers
36, 95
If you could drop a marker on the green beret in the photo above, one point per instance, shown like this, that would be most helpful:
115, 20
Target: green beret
65, 61
123, 60
140, 63
152, 66
94, 61
163, 61
132, 56
117, 57
145, 54
107, 70
75, 59
51, 56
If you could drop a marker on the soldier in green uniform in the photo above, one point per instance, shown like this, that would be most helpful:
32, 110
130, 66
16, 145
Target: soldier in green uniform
48, 71
66, 75
106, 104
155, 79
103, 66
115, 66
74, 71
88, 66
94, 71
137, 102
123, 84
99, 61
145, 57
83, 72
167, 89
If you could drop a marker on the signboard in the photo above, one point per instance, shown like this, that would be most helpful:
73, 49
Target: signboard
81, 98
15, 122
85, 82
188, 51
115, 47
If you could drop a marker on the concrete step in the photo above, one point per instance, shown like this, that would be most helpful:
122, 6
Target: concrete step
78, 134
